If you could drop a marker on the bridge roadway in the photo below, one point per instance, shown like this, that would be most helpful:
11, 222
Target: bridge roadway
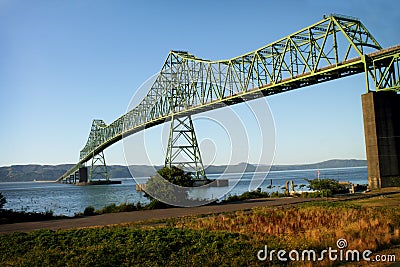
181, 89
350, 67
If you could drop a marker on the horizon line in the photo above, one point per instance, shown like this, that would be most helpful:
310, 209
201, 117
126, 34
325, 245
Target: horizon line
255, 164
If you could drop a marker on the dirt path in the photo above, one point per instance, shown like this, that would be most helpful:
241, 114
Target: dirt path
136, 216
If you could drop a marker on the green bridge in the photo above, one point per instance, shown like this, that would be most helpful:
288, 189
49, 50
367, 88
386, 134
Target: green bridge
333, 48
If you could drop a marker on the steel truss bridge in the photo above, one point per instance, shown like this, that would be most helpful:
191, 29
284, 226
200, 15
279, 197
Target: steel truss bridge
335, 47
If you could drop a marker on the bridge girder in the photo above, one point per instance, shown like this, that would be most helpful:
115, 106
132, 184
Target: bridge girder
334, 47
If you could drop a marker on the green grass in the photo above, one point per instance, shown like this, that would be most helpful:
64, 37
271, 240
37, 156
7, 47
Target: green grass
392, 200
226, 239
123, 246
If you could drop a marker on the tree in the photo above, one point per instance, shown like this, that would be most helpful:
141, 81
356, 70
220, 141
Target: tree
3, 201
176, 176
168, 185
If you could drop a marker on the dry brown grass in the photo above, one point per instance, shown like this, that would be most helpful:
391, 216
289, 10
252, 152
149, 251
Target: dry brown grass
305, 227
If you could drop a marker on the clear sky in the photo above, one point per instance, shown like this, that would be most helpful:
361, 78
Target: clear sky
64, 63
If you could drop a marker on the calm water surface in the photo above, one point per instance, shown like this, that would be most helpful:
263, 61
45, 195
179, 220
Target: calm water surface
64, 199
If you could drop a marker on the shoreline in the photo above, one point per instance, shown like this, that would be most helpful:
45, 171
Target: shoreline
146, 215
121, 218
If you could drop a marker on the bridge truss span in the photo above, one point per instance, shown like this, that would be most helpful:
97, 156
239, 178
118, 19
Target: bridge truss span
335, 47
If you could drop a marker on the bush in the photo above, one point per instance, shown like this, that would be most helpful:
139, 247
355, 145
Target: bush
321, 193
156, 204
109, 209
89, 211
126, 207
169, 185
247, 195
112, 208
10, 216
327, 184
277, 194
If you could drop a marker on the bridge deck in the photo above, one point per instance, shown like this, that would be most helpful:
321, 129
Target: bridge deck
299, 60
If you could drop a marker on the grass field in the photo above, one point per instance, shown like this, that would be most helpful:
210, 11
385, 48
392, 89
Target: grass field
392, 200
228, 239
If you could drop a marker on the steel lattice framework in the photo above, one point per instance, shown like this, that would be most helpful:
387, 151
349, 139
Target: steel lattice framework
335, 47
183, 141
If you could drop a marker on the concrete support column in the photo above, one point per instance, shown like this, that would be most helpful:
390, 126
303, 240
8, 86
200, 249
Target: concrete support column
381, 112
83, 175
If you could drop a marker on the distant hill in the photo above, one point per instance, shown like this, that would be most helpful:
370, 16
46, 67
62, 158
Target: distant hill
20, 173
333, 163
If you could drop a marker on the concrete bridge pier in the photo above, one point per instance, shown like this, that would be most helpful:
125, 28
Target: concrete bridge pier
83, 175
381, 113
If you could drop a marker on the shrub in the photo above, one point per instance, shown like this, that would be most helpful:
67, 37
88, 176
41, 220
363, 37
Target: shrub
112, 208
10, 216
89, 211
327, 184
246, 195
156, 204
322, 193
277, 194
126, 207
109, 209
169, 185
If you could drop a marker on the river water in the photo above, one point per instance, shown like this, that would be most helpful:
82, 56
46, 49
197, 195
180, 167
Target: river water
65, 199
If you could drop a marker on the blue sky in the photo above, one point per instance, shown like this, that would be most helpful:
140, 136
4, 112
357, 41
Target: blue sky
64, 63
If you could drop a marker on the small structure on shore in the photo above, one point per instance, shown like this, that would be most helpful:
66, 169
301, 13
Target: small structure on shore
80, 177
